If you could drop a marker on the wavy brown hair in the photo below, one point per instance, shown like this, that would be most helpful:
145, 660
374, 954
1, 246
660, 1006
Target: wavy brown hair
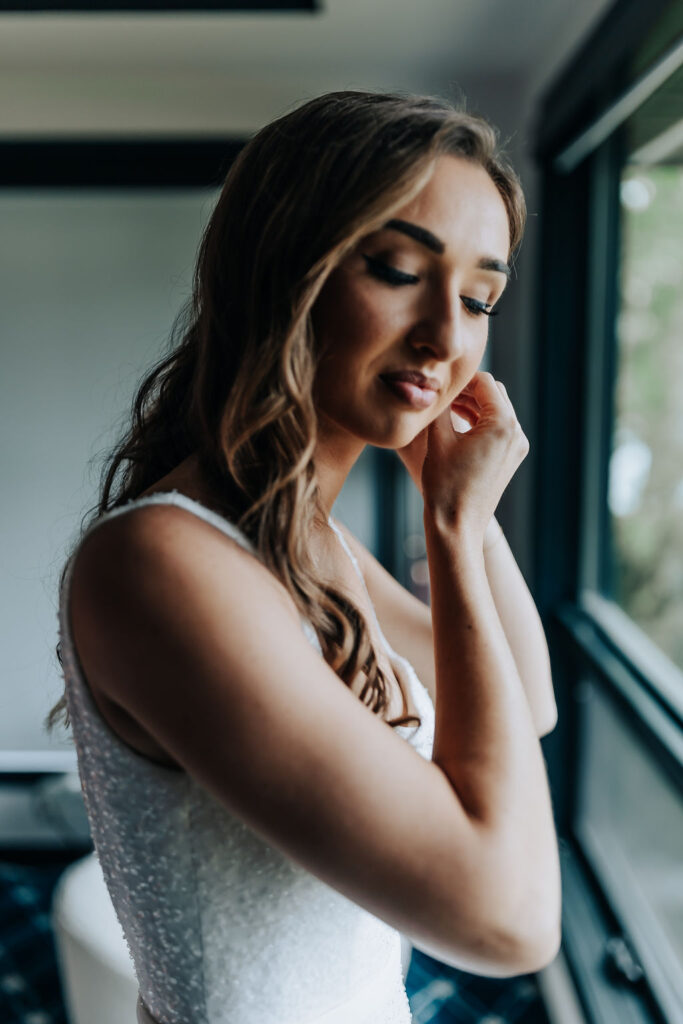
237, 388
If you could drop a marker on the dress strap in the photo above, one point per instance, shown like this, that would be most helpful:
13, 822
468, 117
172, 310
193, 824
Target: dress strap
174, 497
354, 560
422, 737
347, 549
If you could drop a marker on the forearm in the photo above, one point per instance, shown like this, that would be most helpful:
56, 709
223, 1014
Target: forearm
522, 626
484, 735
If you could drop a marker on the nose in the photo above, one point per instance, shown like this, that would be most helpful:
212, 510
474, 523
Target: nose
439, 327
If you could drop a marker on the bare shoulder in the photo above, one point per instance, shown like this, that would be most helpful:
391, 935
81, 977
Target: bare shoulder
159, 570
166, 550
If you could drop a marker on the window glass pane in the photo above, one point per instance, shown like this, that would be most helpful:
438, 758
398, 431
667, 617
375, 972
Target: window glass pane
413, 566
645, 494
630, 822
355, 504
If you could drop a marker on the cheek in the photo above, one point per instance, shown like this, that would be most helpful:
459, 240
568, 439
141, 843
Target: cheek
355, 320
361, 303
462, 375
379, 320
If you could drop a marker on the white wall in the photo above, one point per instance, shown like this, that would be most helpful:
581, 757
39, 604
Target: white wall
90, 285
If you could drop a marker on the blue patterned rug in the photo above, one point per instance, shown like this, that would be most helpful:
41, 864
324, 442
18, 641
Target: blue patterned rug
30, 991
445, 995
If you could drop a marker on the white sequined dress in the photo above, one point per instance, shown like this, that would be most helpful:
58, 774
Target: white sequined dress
222, 927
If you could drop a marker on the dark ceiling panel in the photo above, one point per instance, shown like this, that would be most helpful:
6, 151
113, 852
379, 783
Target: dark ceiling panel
106, 6
117, 163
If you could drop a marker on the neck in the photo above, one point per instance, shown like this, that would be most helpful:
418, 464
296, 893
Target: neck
335, 453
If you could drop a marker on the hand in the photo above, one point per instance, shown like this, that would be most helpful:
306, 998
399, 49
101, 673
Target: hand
413, 455
462, 475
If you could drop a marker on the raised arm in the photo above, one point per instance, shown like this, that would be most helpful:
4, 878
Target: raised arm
194, 639
522, 627
407, 622
485, 737
485, 734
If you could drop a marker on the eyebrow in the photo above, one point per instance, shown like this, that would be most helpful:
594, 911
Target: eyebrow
426, 238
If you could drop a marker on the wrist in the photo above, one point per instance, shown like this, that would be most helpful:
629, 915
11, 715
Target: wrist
493, 534
451, 527
456, 528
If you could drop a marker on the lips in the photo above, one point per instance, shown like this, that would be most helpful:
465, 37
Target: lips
410, 387
413, 377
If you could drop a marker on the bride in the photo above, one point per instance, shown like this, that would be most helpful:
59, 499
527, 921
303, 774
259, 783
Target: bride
287, 759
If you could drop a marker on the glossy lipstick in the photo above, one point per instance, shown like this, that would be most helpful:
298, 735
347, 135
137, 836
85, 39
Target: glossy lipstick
412, 387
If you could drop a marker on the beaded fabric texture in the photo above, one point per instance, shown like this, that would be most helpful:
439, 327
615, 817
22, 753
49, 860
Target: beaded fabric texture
221, 926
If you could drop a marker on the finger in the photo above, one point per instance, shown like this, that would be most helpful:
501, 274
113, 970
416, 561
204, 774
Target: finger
465, 409
503, 391
440, 429
467, 392
468, 412
485, 388
465, 398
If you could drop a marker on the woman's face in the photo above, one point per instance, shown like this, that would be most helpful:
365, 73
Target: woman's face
412, 296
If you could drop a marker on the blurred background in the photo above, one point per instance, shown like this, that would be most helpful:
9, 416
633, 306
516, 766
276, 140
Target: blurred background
118, 122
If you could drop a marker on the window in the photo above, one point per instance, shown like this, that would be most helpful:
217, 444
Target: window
608, 574
645, 483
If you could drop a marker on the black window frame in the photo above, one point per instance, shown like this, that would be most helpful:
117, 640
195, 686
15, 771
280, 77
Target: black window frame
575, 367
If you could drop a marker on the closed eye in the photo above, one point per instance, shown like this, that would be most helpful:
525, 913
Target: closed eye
387, 273
476, 308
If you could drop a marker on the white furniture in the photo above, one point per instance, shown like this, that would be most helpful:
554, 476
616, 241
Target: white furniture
97, 974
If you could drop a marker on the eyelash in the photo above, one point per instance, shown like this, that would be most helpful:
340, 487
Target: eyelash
390, 275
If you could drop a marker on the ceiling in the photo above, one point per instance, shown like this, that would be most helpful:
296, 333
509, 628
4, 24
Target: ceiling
439, 37
75, 73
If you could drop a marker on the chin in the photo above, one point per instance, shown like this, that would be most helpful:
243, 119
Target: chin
398, 437
388, 432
